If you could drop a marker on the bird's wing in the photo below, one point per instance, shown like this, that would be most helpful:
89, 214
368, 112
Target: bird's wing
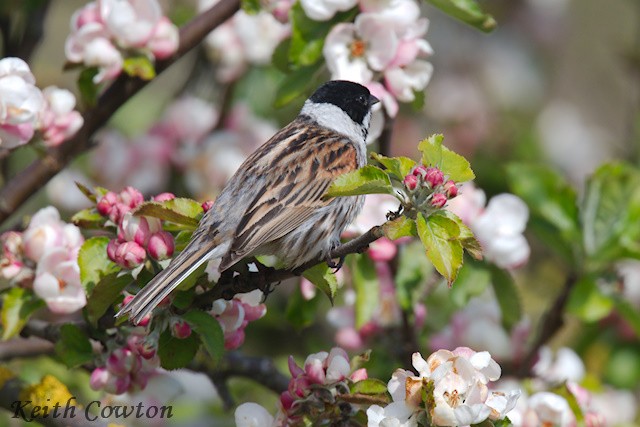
301, 168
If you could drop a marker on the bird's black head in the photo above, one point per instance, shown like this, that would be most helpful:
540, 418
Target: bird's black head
353, 98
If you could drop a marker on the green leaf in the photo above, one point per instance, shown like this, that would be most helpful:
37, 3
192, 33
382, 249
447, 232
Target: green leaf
209, 330
301, 312
588, 302
472, 281
296, 86
94, 262
468, 12
367, 287
323, 278
610, 212
88, 89
104, 294
548, 196
88, 218
139, 66
251, 6
366, 180
369, 386
398, 166
452, 164
177, 353
412, 272
73, 348
506, 293
400, 227
439, 235
179, 211
18, 305
466, 237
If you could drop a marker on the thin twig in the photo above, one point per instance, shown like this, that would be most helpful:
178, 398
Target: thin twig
551, 323
22, 186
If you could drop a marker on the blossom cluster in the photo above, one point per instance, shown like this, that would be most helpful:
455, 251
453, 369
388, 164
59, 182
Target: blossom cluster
44, 257
25, 109
384, 43
427, 187
311, 387
145, 161
105, 32
234, 316
137, 235
245, 39
127, 368
499, 226
451, 387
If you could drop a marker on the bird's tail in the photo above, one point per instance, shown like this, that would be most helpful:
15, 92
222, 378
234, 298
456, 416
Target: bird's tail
192, 257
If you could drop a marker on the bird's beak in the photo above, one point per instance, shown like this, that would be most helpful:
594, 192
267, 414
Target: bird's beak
373, 100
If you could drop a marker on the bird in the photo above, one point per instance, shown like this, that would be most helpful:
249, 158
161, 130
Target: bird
274, 204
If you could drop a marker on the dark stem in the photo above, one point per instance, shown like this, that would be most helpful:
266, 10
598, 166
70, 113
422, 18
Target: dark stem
22, 186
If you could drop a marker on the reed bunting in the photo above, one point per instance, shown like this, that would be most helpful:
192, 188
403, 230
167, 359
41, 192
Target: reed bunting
273, 204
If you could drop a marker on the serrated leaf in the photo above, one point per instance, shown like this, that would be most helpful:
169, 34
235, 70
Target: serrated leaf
88, 89
18, 305
398, 166
610, 212
367, 287
177, 353
400, 227
369, 386
209, 330
94, 263
452, 164
104, 294
301, 312
506, 293
548, 196
88, 218
439, 235
366, 180
466, 237
323, 278
139, 66
588, 302
73, 347
468, 12
179, 211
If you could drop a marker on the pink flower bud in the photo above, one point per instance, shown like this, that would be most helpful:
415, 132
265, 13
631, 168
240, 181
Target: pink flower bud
161, 245
139, 228
163, 197
106, 203
294, 369
286, 400
234, 339
112, 248
207, 205
122, 361
99, 378
438, 200
359, 375
450, 189
411, 182
129, 255
117, 385
315, 370
131, 197
180, 329
420, 170
165, 39
434, 177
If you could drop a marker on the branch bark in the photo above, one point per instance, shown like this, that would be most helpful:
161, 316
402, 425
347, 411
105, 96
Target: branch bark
22, 186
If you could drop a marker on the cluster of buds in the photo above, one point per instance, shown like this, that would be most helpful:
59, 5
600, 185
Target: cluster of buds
235, 315
137, 235
427, 186
316, 385
127, 368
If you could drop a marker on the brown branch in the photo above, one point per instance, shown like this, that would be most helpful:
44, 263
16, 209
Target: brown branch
552, 322
24, 348
22, 186
228, 285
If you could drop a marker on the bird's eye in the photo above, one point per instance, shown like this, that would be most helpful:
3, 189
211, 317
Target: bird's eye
362, 99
